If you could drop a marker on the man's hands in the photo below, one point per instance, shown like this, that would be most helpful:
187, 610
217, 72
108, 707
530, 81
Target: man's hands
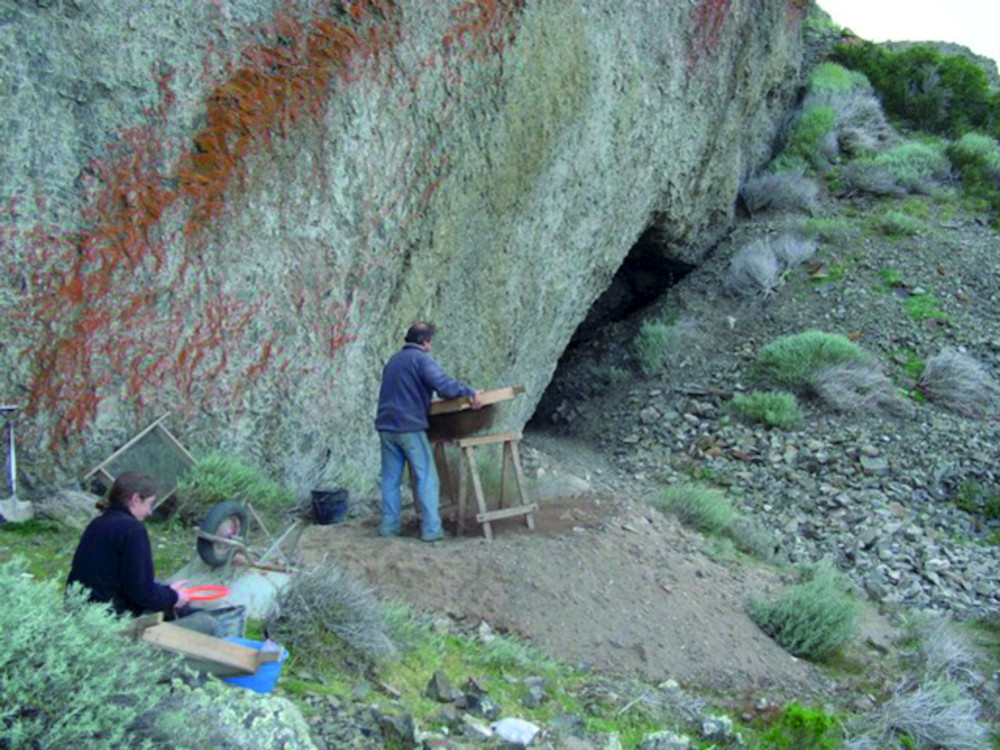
477, 400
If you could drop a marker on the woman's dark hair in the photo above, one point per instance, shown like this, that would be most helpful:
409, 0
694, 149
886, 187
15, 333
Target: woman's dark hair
128, 484
420, 333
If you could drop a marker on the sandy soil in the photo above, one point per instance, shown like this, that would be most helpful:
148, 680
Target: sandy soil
602, 580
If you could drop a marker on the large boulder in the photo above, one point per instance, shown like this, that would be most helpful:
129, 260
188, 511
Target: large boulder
233, 212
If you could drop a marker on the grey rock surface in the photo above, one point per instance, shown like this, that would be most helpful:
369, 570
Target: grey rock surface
491, 178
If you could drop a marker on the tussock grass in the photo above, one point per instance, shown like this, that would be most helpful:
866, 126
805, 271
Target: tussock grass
753, 272
827, 229
959, 383
898, 224
769, 408
796, 361
703, 508
218, 477
811, 619
659, 344
857, 386
329, 614
935, 714
789, 191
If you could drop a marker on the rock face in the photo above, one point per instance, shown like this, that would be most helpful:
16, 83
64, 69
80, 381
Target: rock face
233, 211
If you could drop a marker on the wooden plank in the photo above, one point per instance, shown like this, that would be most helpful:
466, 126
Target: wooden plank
499, 437
496, 515
464, 402
208, 648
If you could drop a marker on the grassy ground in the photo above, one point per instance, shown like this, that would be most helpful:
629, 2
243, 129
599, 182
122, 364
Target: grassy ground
48, 547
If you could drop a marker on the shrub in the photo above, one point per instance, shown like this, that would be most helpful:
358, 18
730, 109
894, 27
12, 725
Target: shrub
70, 679
808, 141
812, 619
659, 343
770, 408
791, 251
916, 166
856, 386
702, 508
944, 94
801, 728
790, 190
959, 383
898, 224
751, 538
796, 361
219, 477
753, 271
865, 175
976, 158
938, 713
327, 613
828, 230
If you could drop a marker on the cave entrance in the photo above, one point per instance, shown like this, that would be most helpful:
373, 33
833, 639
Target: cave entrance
644, 276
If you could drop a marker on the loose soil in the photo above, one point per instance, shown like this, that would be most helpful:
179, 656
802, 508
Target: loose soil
602, 580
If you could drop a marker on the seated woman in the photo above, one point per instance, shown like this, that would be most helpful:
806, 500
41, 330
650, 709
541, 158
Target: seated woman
114, 560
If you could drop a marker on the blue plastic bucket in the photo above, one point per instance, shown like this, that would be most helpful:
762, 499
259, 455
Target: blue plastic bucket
267, 673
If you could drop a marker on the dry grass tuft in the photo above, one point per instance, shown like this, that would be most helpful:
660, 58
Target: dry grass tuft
960, 383
857, 386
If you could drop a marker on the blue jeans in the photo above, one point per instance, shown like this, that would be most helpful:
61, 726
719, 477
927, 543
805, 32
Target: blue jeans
398, 449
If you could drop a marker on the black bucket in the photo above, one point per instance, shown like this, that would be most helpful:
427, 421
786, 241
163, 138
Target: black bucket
330, 506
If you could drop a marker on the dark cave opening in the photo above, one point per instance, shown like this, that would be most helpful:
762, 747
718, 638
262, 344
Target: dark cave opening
643, 277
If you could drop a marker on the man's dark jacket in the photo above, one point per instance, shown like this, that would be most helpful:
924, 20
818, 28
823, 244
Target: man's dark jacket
115, 562
409, 379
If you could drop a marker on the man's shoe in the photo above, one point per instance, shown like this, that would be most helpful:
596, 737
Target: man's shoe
436, 538
388, 531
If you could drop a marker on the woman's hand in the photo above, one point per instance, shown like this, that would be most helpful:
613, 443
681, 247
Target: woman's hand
181, 596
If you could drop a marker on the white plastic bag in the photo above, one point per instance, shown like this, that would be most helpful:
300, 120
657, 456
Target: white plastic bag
517, 731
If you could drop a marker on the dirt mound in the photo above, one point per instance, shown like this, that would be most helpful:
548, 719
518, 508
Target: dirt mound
601, 581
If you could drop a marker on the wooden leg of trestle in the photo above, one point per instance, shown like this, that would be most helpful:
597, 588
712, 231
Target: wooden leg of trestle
477, 487
519, 476
463, 491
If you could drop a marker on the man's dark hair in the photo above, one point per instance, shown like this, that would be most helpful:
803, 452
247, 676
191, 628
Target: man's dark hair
128, 484
420, 333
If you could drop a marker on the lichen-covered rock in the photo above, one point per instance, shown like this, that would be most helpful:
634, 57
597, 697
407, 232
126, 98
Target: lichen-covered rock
233, 213
222, 716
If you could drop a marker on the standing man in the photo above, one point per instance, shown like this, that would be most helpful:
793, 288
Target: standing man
409, 380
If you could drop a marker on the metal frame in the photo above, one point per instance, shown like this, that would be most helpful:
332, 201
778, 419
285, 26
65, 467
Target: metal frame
9, 411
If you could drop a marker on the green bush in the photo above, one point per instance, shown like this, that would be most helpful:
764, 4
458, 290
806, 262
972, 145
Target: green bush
944, 94
813, 618
801, 728
69, 678
916, 166
898, 224
796, 361
804, 148
702, 508
976, 158
770, 408
219, 477
827, 78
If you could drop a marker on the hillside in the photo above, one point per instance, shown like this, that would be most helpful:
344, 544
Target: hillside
609, 582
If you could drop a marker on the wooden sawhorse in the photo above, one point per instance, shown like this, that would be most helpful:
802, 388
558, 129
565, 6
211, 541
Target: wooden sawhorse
511, 457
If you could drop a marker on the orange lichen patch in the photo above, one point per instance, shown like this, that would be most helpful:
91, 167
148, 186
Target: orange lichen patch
708, 19
104, 304
483, 27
